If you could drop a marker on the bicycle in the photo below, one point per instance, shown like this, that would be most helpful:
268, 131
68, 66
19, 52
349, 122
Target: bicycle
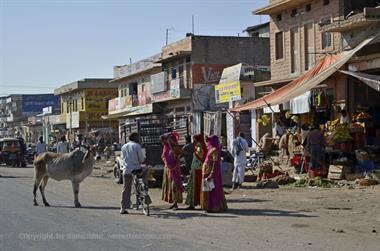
141, 190
255, 160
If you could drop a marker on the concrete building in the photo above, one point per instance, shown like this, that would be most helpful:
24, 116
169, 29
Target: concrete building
305, 32
15, 110
191, 67
259, 30
134, 98
84, 102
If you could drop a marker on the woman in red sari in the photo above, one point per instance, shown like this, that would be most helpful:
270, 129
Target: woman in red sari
172, 187
213, 201
194, 186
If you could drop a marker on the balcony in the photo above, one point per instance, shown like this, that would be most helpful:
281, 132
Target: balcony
356, 21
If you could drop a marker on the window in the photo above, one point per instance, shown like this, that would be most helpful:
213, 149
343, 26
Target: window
326, 36
294, 50
174, 73
62, 107
308, 7
279, 41
294, 13
75, 105
67, 107
326, 2
309, 45
82, 103
278, 17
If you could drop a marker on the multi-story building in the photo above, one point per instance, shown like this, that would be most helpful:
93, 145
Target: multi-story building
192, 66
306, 33
16, 109
84, 102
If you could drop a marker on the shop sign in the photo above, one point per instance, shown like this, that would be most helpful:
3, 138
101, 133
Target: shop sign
227, 92
142, 98
168, 95
113, 104
74, 120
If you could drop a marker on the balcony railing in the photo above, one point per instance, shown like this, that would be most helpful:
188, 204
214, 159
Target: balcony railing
356, 21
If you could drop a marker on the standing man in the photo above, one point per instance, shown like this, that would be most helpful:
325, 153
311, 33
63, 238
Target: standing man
316, 143
189, 152
239, 149
62, 146
132, 156
40, 146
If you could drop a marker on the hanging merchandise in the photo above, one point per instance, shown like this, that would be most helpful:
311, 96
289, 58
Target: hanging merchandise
320, 100
264, 120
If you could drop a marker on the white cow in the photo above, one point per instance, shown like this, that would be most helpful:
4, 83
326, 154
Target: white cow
74, 166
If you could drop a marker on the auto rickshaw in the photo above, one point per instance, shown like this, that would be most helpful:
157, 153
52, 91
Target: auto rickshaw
12, 152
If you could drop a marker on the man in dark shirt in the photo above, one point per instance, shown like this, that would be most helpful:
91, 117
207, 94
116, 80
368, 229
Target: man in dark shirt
189, 152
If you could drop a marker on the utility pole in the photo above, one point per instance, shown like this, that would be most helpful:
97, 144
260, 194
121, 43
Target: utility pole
167, 36
192, 24
71, 117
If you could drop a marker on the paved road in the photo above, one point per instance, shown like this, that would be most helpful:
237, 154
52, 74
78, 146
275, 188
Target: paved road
269, 220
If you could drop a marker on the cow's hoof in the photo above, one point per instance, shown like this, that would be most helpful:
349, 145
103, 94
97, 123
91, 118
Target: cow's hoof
78, 205
47, 204
35, 204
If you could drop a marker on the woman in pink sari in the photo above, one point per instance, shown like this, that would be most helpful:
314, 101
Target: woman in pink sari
213, 201
172, 187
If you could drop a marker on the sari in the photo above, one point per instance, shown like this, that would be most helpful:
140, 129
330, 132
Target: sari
172, 187
194, 186
213, 201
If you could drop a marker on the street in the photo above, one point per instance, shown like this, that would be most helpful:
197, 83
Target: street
280, 219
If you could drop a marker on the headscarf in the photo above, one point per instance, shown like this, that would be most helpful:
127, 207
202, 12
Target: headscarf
199, 138
213, 142
170, 141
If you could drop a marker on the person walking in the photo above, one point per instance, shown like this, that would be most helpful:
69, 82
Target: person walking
212, 196
188, 150
132, 158
40, 146
62, 146
194, 185
239, 150
172, 187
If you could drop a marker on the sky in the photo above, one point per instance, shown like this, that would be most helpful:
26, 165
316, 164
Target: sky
48, 43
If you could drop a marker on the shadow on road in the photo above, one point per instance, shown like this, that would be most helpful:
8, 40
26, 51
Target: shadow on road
248, 200
88, 207
266, 212
230, 213
13, 177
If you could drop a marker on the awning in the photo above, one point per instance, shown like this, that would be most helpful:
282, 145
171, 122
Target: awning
372, 81
316, 75
132, 111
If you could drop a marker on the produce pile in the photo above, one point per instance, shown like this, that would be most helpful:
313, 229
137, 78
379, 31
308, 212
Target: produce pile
331, 125
342, 133
361, 116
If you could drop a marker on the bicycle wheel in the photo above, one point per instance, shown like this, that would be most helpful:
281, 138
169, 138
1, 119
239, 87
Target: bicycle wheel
146, 208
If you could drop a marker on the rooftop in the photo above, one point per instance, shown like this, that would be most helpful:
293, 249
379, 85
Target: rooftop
280, 6
87, 83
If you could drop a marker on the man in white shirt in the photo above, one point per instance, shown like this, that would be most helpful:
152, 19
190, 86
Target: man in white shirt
239, 149
40, 146
62, 146
132, 158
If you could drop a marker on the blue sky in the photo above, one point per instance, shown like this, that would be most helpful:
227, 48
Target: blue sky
48, 43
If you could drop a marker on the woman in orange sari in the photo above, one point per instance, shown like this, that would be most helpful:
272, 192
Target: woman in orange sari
213, 201
194, 187
172, 187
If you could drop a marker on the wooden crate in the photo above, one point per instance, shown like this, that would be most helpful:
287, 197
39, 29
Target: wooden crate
338, 172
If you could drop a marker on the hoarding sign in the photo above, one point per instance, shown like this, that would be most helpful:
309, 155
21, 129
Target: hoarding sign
33, 104
158, 82
227, 92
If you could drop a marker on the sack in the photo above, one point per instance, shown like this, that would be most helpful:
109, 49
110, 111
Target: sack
208, 185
